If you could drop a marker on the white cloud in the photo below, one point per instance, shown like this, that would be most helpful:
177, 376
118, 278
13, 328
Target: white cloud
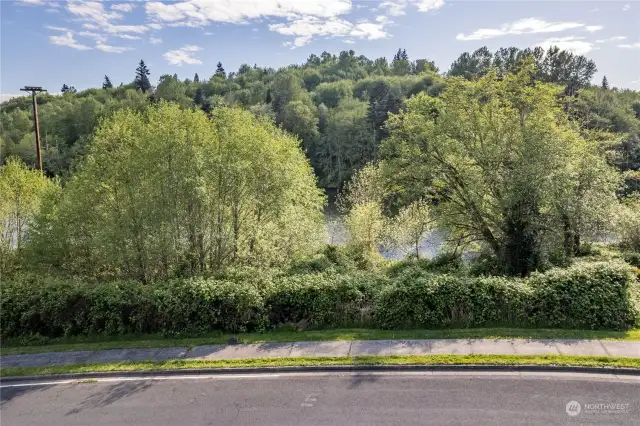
112, 49
626, 7
616, 38
595, 9
96, 36
630, 46
306, 27
123, 7
522, 26
6, 96
127, 37
577, 45
155, 26
154, 40
394, 8
115, 29
49, 27
397, 7
96, 18
184, 55
208, 33
92, 11
348, 41
202, 12
51, 10
593, 28
33, 2
67, 39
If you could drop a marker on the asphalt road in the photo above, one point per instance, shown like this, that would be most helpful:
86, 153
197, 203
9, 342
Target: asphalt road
332, 399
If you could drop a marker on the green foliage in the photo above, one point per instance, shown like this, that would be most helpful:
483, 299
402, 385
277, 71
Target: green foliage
628, 224
21, 193
428, 301
318, 299
52, 307
167, 193
506, 167
331, 94
601, 295
141, 81
585, 296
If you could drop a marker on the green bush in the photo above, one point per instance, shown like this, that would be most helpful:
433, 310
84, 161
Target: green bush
601, 295
632, 258
319, 299
53, 307
430, 300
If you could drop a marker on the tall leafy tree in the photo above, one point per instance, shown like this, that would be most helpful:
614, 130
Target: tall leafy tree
196, 79
21, 192
171, 193
141, 81
501, 156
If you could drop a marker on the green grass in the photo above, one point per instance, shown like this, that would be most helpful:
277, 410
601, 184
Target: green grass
555, 360
157, 341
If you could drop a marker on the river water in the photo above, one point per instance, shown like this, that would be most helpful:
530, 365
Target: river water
337, 234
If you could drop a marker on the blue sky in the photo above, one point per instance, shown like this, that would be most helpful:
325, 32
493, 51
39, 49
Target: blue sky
48, 43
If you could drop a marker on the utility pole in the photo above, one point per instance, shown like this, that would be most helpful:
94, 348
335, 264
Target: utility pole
34, 91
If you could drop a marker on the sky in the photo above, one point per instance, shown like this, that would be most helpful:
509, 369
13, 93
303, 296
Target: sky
50, 43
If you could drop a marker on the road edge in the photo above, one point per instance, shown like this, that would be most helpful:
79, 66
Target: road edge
327, 369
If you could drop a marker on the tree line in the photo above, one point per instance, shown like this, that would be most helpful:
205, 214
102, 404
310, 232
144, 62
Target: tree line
337, 105
150, 184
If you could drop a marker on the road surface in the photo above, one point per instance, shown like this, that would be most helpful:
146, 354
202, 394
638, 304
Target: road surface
438, 398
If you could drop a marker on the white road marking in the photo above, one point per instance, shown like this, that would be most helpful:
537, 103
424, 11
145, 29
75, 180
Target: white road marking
140, 378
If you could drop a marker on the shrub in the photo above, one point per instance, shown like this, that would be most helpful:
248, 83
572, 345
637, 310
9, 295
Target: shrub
632, 258
587, 295
199, 305
429, 300
53, 307
319, 299
600, 295
442, 263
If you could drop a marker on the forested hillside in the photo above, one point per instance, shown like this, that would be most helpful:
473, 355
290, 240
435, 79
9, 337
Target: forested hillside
337, 105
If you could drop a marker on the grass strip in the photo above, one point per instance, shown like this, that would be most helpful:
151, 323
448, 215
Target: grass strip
11, 347
555, 360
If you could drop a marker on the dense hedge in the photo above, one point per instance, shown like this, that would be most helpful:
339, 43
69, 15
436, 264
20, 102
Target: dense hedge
597, 295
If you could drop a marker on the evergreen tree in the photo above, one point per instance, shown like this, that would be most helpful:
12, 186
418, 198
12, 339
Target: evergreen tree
605, 82
382, 101
220, 71
107, 83
199, 96
268, 100
141, 81
196, 79
65, 88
